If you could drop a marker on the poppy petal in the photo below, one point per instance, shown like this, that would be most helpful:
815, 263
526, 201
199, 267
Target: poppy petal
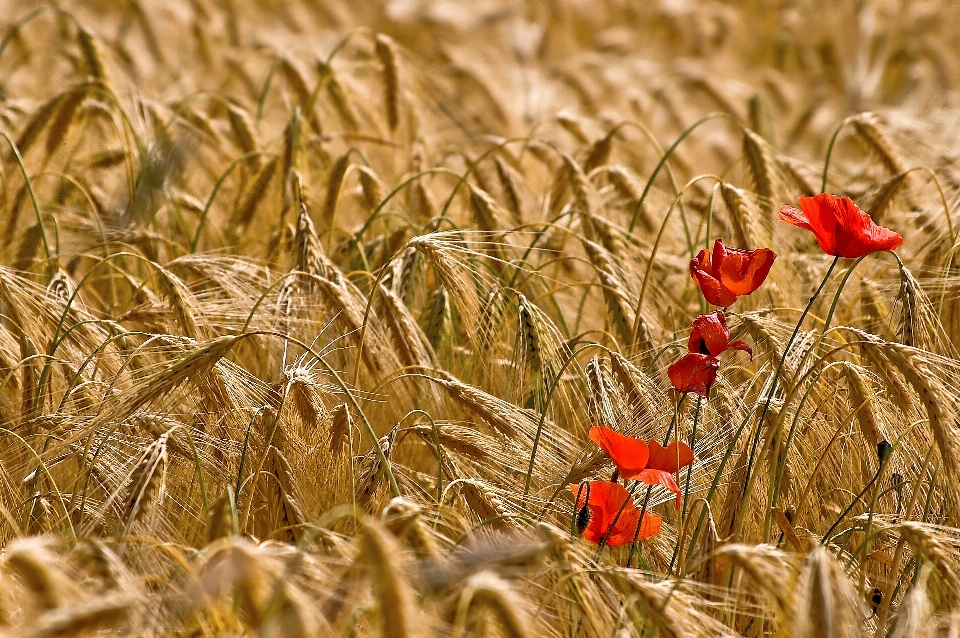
627, 453
794, 216
659, 477
624, 528
709, 333
700, 262
864, 235
821, 211
613, 514
694, 372
743, 271
840, 226
672, 458
713, 291
625, 533
719, 255
740, 344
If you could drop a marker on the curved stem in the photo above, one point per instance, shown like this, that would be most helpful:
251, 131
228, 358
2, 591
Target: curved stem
33, 198
216, 189
833, 140
856, 499
663, 161
543, 416
653, 255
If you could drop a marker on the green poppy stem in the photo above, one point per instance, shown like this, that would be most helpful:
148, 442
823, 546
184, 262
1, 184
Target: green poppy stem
750, 478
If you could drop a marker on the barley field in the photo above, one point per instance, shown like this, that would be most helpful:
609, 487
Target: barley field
410, 319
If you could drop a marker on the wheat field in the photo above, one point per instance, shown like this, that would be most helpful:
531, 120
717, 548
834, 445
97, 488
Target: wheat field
307, 310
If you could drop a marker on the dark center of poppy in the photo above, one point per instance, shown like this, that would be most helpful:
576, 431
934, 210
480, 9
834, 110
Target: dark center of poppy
702, 347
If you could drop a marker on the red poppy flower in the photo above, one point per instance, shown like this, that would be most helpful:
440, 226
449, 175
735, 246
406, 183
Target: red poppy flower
663, 463
711, 336
694, 372
627, 453
730, 272
648, 462
604, 500
841, 228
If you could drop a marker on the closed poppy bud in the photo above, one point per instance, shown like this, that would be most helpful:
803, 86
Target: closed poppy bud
729, 273
583, 519
841, 228
694, 372
711, 336
884, 450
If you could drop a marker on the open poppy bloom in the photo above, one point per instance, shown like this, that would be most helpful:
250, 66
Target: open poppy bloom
711, 336
604, 500
647, 462
730, 272
841, 228
627, 453
694, 372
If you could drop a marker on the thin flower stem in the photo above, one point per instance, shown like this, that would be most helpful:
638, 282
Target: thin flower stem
636, 535
686, 487
833, 140
751, 477
646, 498
613, 523
543, 416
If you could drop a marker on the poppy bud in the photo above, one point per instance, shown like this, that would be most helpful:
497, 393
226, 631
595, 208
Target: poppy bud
884, 450
583, 519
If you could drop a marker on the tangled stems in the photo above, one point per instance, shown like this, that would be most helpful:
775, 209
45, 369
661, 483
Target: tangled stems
751, 476
885, 451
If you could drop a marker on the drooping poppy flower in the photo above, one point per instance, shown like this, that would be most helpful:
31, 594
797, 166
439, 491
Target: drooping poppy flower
730, 272
663, 463
840, 226
694, 372
627, 453
711, 336
658, 463
670, 459
604, 501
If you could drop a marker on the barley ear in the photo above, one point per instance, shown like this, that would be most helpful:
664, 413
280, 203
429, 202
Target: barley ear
386, 52
381, 552
91, 55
